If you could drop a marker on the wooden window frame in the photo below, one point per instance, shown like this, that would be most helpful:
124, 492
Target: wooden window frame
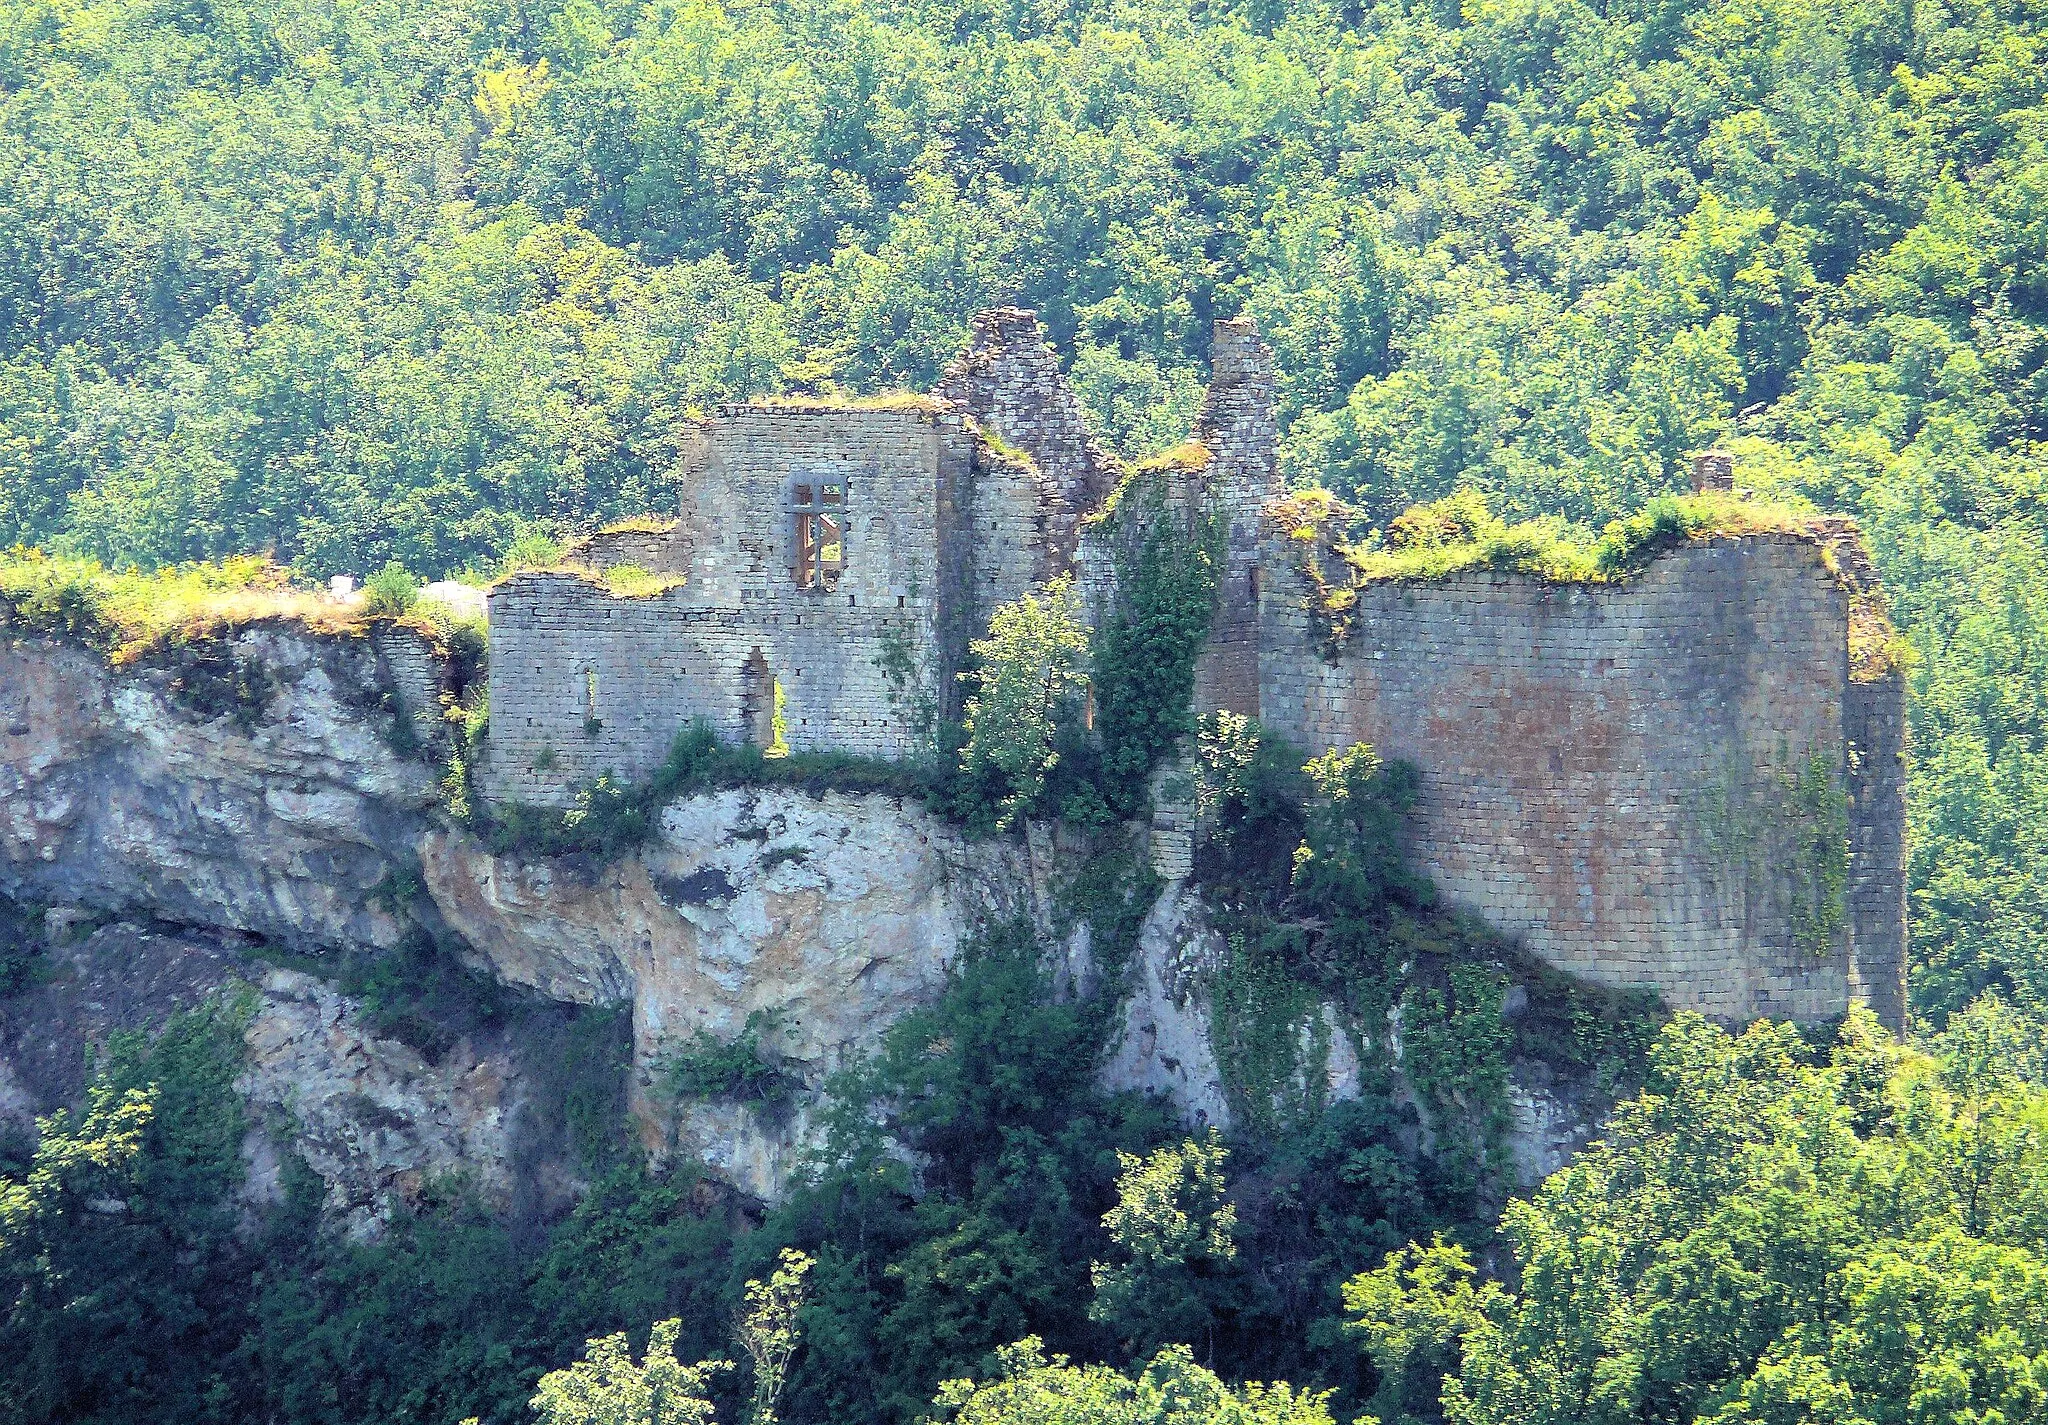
818, 510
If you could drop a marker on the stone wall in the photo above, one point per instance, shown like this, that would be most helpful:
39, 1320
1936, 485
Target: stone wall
1628, 777
1009, 380
1236, 424
1632, 778
658, 551
585, 682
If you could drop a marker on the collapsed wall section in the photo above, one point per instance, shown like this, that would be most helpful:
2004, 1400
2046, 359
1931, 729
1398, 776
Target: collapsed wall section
1009, 380
1647, 782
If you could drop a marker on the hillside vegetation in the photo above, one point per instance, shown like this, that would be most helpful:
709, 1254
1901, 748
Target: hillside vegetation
363, 285
354, 283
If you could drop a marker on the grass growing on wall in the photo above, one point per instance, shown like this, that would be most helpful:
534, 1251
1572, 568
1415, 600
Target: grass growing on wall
1459, 532
126, 615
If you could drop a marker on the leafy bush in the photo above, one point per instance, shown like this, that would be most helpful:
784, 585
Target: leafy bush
1029, 1389
1460, 532
1716, 1256
1029, 674
127, 615
741, 1068
1145, 648
391, 591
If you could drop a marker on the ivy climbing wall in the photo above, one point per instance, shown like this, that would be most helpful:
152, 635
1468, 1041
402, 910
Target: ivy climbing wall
1668, 782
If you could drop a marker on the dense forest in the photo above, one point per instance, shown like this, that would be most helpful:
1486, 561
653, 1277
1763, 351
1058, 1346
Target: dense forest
353, 282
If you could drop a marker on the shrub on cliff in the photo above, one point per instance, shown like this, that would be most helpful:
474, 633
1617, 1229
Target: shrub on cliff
1029, 675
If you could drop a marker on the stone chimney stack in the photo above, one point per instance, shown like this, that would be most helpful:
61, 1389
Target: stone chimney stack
1712, 470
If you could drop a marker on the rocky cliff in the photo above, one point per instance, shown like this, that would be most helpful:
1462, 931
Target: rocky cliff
283, 832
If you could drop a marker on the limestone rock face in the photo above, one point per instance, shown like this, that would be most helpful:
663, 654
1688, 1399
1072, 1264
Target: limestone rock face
292, 819
279, 823
287, 817
372, 1117
1165, 1047
829, 917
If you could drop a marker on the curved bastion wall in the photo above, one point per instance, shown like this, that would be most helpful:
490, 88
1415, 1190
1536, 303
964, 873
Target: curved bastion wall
1649, 782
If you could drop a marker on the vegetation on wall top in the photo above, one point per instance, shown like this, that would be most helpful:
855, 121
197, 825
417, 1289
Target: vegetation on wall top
129, 615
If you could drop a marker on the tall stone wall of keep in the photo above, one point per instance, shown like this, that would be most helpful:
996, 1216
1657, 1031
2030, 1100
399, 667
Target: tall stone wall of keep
1236, 423
1009, 380
1874, 719
585, 682
1639, 780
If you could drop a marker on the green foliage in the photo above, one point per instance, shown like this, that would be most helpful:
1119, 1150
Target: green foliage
608, 1387
768, 1333
1460, 532
130, 615
1820, 865
740, 1068
1307, 874
1029, 674
1145, 647
1352, 856
1174, 1231
118, 1248
1172, 1390
22, 943
391, 591
1111, 889
1765, 1232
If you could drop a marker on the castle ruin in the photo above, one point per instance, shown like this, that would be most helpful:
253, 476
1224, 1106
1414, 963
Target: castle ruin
1639, 780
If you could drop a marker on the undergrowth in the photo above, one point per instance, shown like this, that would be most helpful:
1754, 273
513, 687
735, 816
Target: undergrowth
129, 616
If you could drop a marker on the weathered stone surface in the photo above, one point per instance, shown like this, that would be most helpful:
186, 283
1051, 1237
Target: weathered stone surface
837, 913
834, 915
114, 797
1621, 775
369, 1115
1165, 1047
937, 529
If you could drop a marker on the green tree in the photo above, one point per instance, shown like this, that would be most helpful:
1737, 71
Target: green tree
1174, 1227
1029, 673
1172, 1390
1763, 1233
608, 1387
